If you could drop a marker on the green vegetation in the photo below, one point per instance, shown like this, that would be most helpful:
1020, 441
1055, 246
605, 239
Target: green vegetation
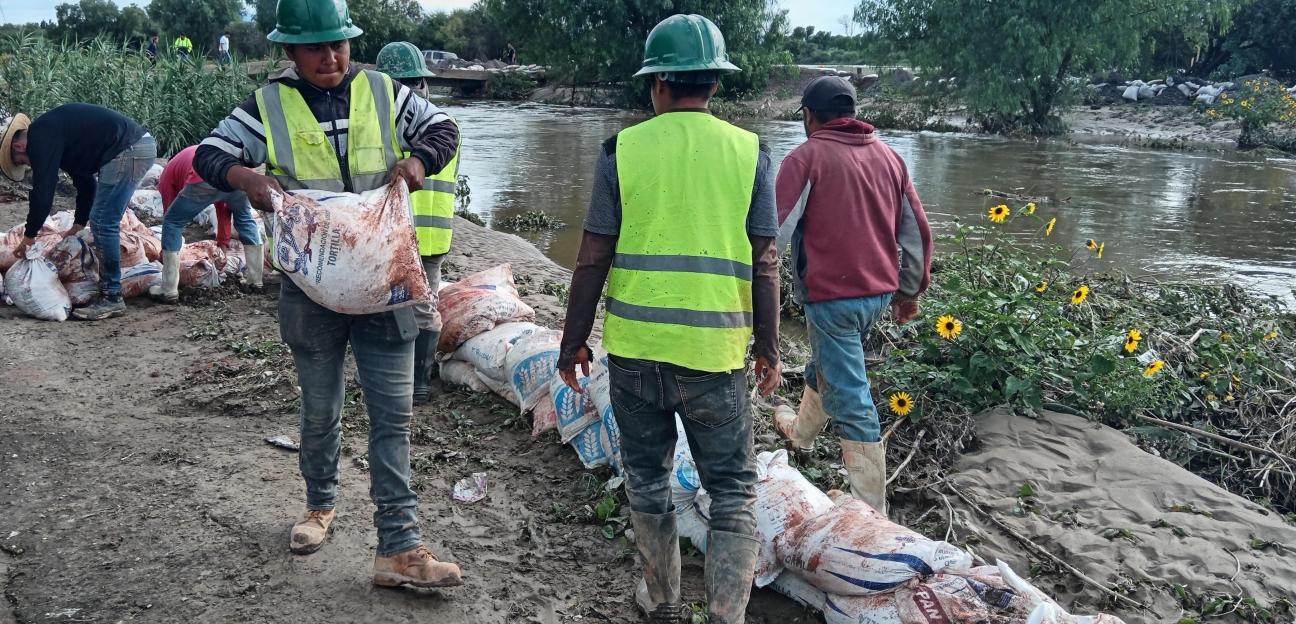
509, 86
176, 100
531, 221
1259, 104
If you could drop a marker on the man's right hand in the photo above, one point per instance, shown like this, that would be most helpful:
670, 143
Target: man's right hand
20, 252
904, 309
568, 374
258, 188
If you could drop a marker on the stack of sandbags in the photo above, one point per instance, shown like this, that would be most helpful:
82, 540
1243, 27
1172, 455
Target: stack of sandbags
477, 303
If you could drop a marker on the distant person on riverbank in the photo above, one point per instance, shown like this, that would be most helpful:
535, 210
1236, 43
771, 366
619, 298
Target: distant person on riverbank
682, 227
301, 127
433, 209
152, 50
106, 154
510, 54
183, 46
223, 50
860, 241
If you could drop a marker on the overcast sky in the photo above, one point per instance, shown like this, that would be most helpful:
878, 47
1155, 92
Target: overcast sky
822, 14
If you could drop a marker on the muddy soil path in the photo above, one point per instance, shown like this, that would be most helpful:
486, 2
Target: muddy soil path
135, 485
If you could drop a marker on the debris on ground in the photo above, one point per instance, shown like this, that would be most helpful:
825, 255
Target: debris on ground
283, 442
470, 489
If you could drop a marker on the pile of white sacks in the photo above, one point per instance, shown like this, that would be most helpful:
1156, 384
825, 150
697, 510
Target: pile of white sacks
835, 555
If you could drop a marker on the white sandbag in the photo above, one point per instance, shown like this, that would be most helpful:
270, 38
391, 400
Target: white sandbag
137, 280
593, 446
151, 177
575, 410
1131, 93
487, 350
543, 416
353, 254
147, 202
78, 269
32, 284
532, 363
207, 219
502, 388
1147, 92
784, 500
460, 373
684, 479
477, 304
1186, 90
852, 550
689, 523
600, 391
201, 264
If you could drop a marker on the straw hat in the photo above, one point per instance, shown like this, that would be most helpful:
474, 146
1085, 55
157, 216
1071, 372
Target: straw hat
8, 128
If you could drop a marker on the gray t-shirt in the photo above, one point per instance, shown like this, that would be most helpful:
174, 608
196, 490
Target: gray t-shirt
604, 216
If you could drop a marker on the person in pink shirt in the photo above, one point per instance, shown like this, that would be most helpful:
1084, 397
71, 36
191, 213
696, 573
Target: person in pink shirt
184, 196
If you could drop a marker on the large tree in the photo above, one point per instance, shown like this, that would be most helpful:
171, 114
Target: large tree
604, 39
1012, 59
201, 20
383, 22
88, 19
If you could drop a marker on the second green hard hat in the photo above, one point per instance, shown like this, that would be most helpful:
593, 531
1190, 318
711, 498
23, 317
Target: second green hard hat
402, 59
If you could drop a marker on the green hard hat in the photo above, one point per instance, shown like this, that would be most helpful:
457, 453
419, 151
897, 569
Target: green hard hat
313, 21
402, 59
684, 44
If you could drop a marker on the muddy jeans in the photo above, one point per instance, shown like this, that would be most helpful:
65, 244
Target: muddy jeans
113, 190
383, 345
716, 413
836, 370
428, 317
192, 200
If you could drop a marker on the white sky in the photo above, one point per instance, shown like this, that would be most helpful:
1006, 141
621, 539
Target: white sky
822, 14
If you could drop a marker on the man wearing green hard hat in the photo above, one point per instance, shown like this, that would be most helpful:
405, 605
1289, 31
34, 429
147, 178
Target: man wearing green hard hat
327, 125
682, 227
433, 209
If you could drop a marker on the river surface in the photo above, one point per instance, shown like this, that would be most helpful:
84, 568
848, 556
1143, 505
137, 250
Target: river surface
1204, 215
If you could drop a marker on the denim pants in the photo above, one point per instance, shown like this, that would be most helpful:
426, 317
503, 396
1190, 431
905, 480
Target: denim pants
836, 370
116, 183
428, 317
383, 345
716, 413
191, 201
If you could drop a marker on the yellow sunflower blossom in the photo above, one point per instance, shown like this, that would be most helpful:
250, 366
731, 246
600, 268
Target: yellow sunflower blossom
1091, 245
1229, 397
1101, 247
1029, 209
1153, 368
1225, 336
1270, 336
1132, 340
949, 327
1078, 297
901, 404
1212, 397
1041, 287
1204, 375
999, 213
1048, 229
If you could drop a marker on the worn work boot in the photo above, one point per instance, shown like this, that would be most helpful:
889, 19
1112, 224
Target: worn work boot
803, 427
424, 358
658, 593
730, 570
866, 469
105, 308
168, 289
308, 534
416, 567
255, 257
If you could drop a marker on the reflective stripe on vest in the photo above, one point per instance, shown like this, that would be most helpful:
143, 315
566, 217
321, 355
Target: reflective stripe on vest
680, 287
301, 156
433, 208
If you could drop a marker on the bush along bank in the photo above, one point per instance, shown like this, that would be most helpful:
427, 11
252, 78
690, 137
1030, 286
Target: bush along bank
1200, 375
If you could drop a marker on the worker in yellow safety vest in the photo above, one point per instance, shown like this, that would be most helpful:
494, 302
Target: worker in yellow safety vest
682, 227
183, 46
433, 212
326, 124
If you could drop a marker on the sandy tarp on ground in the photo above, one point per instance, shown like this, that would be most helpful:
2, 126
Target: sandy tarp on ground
1089, 478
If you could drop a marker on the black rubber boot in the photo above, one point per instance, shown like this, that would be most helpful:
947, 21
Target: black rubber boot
658, 594
424, 360
730, 570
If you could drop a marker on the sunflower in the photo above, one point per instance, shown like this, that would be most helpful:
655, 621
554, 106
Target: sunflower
949, 327
1204, 375
1101, 247
1048, 229
999, 213
1153, 368
901, 403
1091, 245
1225, 336
1078, 297
1132, 340
1270, 336
1029, 209
1211, 397
1041, 287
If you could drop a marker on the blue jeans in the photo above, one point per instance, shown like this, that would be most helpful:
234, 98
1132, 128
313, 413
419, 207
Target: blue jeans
383, 345
716, 413
836, 370
191, 201
116, 183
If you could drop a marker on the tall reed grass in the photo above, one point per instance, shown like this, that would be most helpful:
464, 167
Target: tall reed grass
178, 100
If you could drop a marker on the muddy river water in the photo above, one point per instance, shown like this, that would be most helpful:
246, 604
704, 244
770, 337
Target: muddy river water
1214, 215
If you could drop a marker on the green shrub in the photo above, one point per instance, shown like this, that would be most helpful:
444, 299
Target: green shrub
510, 86
1258, 104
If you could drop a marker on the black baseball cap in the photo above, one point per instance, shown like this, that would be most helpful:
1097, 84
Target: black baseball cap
829, 94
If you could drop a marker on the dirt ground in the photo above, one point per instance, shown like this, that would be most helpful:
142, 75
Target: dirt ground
136, 486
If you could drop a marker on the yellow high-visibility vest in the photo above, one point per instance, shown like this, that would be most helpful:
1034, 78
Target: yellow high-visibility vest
433, 207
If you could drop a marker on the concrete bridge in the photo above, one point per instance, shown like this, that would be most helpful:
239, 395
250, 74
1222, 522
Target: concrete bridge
465, 81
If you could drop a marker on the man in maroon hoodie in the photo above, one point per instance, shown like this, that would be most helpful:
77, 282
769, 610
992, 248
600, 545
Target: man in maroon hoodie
860, 241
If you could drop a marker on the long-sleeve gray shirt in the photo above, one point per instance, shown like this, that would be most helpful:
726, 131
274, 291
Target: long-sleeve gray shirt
423, 130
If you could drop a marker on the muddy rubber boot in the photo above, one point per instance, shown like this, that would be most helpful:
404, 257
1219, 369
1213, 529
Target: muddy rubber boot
730, 570
416, 567
168, 289
802, 427
865, 464
308, 534
658, 593
105, 308
255, 257
424, 359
